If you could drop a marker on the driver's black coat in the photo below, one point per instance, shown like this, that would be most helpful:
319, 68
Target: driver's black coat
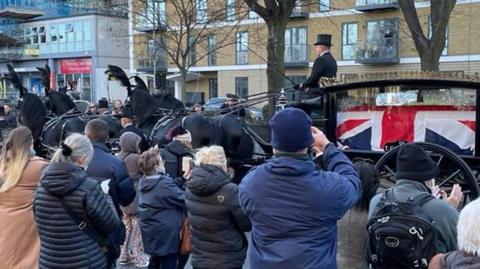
324, 66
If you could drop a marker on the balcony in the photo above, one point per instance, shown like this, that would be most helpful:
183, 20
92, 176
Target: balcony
376, 5
296, 56
145, 25
299, 13
378, 52
146, 64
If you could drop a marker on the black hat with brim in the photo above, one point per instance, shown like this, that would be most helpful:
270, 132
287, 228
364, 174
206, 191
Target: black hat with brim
324, 39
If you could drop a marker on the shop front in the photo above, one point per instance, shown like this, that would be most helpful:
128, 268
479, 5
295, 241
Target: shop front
75, 74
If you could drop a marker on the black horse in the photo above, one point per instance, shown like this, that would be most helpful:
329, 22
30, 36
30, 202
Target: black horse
53, 118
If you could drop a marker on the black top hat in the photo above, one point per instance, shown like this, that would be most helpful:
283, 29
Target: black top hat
103, 103
324, 39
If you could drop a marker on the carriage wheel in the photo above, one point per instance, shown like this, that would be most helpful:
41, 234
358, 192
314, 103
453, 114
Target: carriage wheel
453, 170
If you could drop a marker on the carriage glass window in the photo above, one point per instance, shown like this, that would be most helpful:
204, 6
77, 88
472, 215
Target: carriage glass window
324, 5
380, 118
241, 48
349, 40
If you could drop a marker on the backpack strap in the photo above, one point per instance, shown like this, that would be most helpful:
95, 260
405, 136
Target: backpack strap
422, 198
388, 195
83, 224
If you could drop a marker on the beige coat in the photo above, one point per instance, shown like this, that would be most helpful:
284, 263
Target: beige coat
19, 239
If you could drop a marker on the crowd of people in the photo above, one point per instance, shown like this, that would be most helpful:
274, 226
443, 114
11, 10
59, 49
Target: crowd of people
308, 207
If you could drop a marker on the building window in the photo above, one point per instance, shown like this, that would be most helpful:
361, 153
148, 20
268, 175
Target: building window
252, 15
445, 49
242, 48
324, 5
230, 10
296, 45
192, 51
381, 40
212, 88
241, 87
349, 40
212, 50
202, 14
154, 13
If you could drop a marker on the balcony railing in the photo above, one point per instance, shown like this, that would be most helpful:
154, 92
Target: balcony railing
146, 64
11, 53
380, 51
372, 5
296, 56
147, 24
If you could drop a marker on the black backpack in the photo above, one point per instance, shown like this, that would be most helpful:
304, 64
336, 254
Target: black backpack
400, 234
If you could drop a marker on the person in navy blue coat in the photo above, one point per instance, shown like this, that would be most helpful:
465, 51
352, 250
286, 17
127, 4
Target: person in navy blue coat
105, 166
293, 207
161, 208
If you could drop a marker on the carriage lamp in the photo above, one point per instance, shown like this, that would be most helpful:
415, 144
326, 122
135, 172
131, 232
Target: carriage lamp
281, 102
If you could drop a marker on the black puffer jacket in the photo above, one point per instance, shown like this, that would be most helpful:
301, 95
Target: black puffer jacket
216, 219
172, 155
63, 245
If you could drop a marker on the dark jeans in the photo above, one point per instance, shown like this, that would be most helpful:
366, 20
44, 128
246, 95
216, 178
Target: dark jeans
182, 261
164, 262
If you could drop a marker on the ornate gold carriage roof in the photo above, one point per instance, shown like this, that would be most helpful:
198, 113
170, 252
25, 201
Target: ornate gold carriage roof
456, 79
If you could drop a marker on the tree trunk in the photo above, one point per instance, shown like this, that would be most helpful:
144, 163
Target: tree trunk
275, 57
183, 84
430, 60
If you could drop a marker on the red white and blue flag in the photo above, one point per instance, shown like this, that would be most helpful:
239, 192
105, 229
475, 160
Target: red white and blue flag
371, 129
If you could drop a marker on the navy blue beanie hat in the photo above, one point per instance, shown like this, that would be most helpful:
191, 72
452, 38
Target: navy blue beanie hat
291, 130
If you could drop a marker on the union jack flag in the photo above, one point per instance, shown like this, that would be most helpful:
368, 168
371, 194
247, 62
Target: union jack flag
371, 129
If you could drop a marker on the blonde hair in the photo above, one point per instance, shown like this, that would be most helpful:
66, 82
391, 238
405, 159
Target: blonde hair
16, 153
76, 146
212, 155
467, 228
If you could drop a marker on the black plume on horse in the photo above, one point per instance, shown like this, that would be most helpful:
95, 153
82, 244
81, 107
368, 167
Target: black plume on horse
58, 102
116, 73
31, 110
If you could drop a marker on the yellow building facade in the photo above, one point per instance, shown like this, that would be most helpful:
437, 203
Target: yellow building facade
367, 36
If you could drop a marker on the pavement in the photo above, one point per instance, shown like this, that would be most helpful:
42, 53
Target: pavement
188, 266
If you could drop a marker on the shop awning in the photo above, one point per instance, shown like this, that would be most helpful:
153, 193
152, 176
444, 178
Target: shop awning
20, 13
190, 76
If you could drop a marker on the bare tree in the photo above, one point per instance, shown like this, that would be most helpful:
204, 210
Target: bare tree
276, 15
429, 49
181, 30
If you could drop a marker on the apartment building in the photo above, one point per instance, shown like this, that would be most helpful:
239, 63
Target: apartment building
77, 39
368, 36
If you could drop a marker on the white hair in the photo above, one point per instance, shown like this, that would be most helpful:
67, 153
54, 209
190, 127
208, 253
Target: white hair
80, 146
213, 155
468, 237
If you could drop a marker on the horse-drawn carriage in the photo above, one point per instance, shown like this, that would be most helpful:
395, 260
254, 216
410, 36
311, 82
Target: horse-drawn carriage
370, 115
